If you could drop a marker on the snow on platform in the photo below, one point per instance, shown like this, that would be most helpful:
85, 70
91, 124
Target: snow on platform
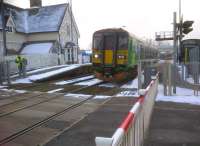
49, 74
53, 73
131, 84
183, 96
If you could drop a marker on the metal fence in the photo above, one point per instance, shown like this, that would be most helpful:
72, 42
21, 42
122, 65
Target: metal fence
4, 72
8, 66
33, 61
134, 128
189, 74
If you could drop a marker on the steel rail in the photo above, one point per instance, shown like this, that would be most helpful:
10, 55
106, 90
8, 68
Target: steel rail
44, 121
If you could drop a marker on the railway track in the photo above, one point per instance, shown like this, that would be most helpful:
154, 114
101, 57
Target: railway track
23, 96
7, 109
21, 99
48, 85
46, 120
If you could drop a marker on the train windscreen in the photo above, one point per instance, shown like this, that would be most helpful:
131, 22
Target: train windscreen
123, 42
98, 42
109, 42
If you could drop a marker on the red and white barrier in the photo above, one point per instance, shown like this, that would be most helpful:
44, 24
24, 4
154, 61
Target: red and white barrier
132, 130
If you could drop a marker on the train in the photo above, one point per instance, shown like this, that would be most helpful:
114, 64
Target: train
190, 51
115, 54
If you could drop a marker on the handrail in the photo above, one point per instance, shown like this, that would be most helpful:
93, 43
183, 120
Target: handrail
134, 127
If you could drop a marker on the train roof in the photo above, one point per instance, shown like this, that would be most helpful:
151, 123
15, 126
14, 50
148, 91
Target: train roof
121, 30
111, 30
191, 41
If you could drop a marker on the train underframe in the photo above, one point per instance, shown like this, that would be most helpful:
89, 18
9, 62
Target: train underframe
119, 76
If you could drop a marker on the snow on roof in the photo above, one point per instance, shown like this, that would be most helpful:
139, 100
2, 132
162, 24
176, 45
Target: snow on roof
40, 48
44, 19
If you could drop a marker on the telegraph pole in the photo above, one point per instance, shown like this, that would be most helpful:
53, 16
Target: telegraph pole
3, 28
175, 50
180, 28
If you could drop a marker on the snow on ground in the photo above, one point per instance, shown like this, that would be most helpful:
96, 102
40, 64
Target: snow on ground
101, 97
183, 96
108, 85
1, 87
127, 94
22, 81
74, 80
52, 73
55, 90
90, 82
11, 90
131, 84
20, 91
78, 95
191, 80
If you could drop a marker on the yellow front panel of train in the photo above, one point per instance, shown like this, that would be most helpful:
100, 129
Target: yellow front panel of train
96, 57
108, 57
122, 57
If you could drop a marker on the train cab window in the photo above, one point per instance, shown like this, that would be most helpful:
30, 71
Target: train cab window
97, 43
123, 42
109, 42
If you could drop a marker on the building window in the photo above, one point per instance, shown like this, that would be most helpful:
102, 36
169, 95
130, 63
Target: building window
9, 29
68, 30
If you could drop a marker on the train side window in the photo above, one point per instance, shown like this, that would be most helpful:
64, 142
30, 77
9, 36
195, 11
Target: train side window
97, 42
123, 42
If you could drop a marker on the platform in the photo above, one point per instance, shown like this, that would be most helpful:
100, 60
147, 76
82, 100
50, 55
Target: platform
174, 124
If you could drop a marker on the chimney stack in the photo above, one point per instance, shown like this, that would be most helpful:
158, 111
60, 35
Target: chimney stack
35, 3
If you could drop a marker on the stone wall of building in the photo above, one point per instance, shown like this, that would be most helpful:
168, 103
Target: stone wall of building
66, 35
14, 40
42, 36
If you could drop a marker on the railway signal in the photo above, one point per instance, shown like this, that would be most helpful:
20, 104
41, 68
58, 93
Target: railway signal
187, 27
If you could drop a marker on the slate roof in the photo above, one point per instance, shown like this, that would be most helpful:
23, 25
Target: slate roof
35, 20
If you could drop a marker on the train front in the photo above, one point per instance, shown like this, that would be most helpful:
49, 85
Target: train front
110, 54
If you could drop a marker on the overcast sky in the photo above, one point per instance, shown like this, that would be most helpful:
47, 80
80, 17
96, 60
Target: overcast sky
141, 17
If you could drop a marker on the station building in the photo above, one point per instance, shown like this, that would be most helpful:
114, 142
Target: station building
41, 30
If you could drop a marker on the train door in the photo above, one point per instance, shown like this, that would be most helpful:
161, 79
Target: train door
194, 63
110, 42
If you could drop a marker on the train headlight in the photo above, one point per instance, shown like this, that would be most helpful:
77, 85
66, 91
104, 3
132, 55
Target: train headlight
96, 56
121, 57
